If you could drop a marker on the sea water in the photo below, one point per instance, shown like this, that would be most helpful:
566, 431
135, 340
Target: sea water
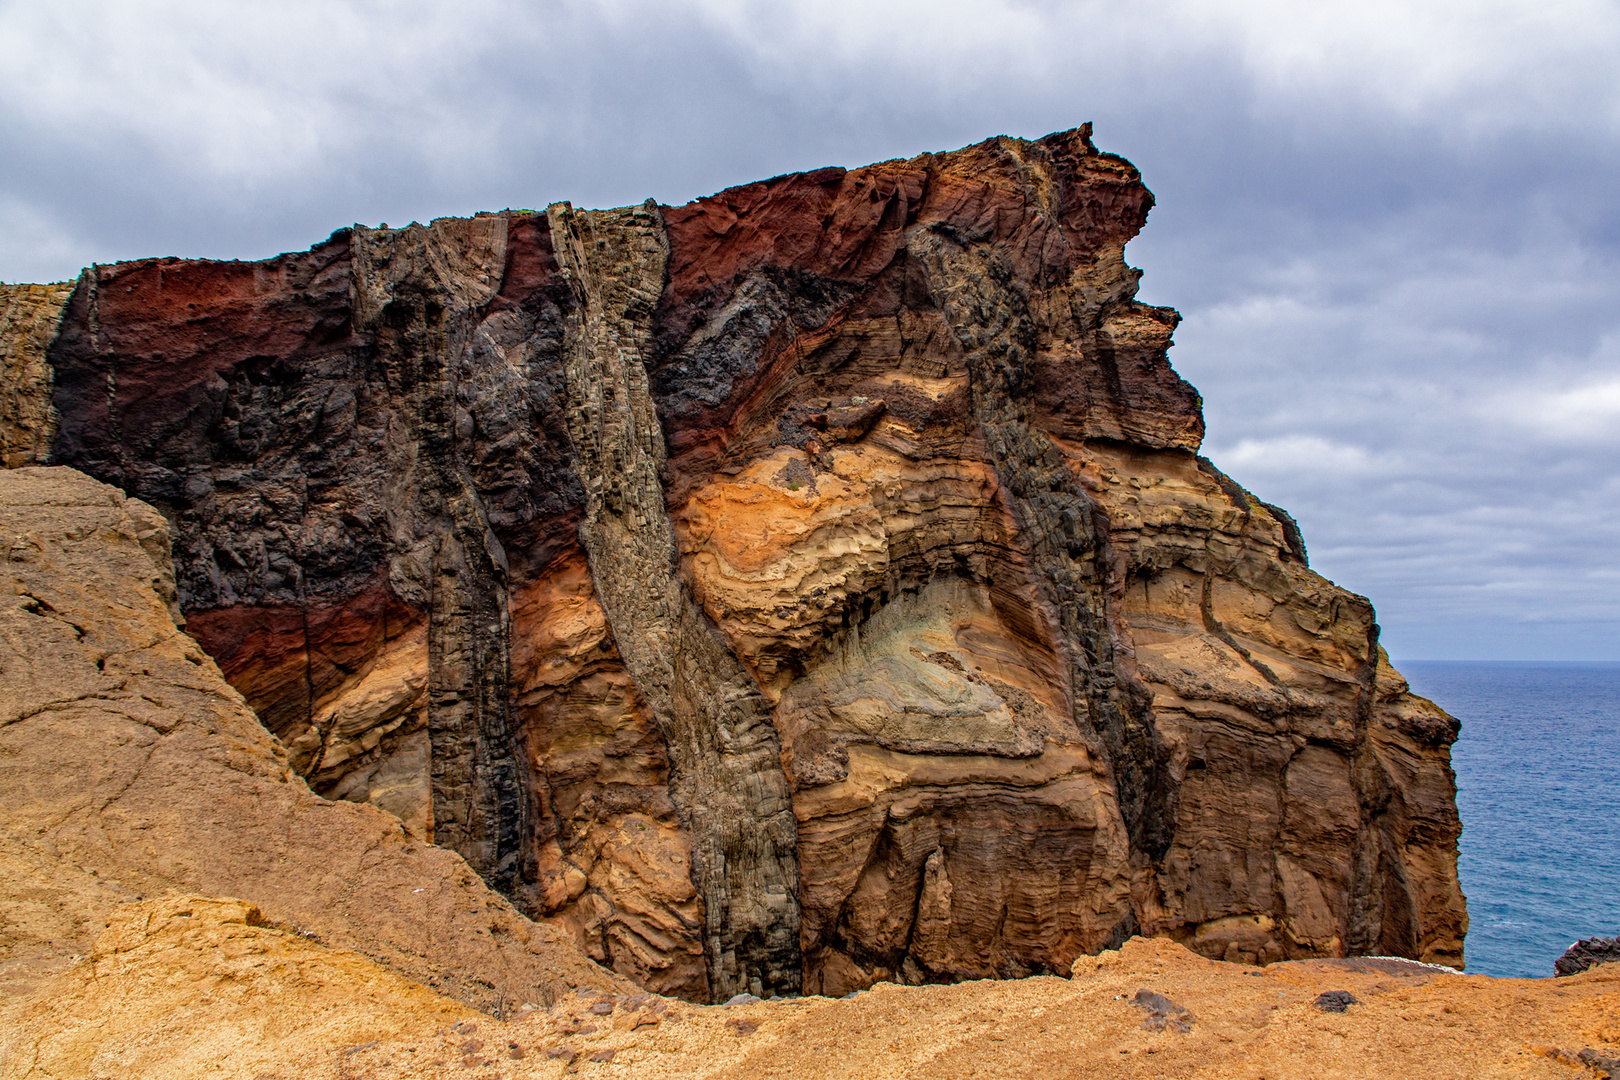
1538, 787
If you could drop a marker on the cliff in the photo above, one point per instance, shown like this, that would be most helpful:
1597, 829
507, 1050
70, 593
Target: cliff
812, 585
187, 987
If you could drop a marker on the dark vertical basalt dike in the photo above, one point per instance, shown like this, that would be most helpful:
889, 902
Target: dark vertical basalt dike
421, 310
726, 769
308, 426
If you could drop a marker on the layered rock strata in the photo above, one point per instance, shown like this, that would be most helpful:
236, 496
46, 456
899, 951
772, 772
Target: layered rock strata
726, 777
597, 544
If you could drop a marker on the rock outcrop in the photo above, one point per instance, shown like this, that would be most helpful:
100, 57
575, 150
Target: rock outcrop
29, 315
1587, 953
812, 585
129, 768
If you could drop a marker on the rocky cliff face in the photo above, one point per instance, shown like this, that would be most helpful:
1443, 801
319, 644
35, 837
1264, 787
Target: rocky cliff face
29, 315
812, 585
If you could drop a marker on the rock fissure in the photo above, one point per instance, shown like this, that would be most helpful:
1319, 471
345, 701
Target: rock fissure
1366, 913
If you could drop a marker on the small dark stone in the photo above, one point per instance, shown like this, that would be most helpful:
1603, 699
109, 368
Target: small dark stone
1606, 1067
603, 1055
602, 1008
1163, 1014
1335, 1001
1586, 953
564, 1053
1152, 1002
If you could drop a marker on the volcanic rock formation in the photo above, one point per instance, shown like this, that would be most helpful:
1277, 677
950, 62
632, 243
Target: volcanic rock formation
1587, 953
812, 585
190, 988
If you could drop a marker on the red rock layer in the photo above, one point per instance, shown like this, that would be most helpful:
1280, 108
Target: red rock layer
811, 275
343, 686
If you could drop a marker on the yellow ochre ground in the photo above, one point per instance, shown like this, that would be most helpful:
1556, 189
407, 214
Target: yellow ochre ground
186, 986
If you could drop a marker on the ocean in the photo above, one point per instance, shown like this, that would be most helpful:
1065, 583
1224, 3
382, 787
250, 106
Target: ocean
1538, 786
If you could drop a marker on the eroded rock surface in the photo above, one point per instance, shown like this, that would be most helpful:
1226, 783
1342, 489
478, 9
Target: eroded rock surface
812, 585
130, 768
202, 986
1586, 953
29, 316
726, 778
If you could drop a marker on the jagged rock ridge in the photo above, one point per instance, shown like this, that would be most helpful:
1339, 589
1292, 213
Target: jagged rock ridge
593, 543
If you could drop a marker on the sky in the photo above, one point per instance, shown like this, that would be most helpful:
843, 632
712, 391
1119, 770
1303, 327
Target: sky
1393, 228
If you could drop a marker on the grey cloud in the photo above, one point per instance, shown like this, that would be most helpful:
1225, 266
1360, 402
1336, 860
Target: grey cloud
1395, 249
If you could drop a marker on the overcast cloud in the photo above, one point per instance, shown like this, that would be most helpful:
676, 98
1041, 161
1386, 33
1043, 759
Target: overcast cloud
1392, 227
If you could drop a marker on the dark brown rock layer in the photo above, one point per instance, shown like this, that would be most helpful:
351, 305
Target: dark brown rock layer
597, 544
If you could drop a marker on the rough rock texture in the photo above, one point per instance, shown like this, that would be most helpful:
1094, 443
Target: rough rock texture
342, 534
594, 544
214, 996
1588, 952
1044, 678
129, 767
29, 315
